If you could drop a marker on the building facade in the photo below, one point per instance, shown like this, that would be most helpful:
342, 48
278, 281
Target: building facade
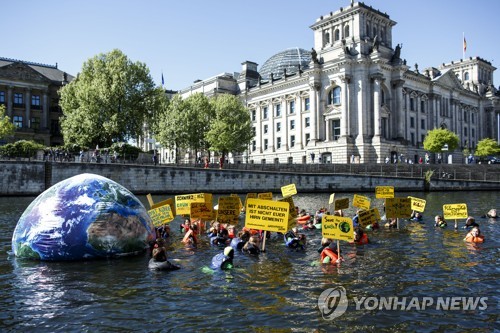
29, 92
353, 98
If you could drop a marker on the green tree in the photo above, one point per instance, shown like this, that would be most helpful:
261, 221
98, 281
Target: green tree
171, 133
438, 137
231, 129
487, 147
197, 117
7, 128
109, 101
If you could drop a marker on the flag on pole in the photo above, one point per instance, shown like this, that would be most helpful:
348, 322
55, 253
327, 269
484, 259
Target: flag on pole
465, 44
162, 80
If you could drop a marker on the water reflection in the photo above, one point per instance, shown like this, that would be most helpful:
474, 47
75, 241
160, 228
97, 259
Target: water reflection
276, 291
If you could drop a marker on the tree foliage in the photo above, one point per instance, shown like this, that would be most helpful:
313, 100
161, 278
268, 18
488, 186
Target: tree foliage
7, 128
487, 147
109, 101
231, 129
21, 148
437, 138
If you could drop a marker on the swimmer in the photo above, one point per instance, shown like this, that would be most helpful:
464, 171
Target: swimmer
440, 222
360, 237
223, 260
470, 223
329, 255
474, 236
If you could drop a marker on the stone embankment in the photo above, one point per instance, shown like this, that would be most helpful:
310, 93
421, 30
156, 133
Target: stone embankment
26, 178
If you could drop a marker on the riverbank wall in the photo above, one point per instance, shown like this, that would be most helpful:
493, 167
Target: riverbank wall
29, 178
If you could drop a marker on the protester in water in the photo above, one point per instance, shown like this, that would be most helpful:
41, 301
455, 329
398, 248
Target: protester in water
325, 242
470, 223
222, 239
223, 260
474, 236
295, 240
330, 255
492, 214
440, 222
360, 237
252, 246
416, 216
240, 240
393, 223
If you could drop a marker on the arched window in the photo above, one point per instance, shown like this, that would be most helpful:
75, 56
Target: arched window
374, 31
337, 34
382, 97
334, 96
466, 76
346, 31
367, 29
326, 39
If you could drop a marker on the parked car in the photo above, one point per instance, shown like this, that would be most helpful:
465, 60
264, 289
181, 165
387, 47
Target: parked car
488, 160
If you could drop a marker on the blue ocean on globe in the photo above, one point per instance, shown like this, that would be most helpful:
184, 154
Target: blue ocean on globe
83, 217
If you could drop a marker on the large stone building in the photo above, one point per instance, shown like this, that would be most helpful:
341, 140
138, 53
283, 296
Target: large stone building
29, 92
353, 98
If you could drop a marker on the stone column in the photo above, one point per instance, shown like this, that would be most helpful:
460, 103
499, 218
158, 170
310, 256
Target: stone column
314, 99
9, 102
27, 103
45, 111
399, 112
344, 121
377, 80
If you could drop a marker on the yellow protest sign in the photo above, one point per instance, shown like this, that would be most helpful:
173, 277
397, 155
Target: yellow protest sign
383, 192
161, 215
267, 215
237, 196
361, 202
367, 217
337, 227
229, 210
182, 202
341, 204
417, 204
265, 196
200, 210
455, 211
332, 198
292, 211
398, 207
288, 190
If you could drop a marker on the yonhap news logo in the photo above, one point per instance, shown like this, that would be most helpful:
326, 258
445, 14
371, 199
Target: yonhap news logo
333, 303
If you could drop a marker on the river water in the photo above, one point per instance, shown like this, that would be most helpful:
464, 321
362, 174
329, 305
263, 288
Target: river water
275, 292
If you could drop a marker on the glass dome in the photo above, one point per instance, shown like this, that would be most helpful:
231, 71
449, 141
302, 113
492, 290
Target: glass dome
289, 59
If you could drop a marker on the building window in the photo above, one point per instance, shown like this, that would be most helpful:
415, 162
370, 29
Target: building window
264, 113
278, 143
18, 99
382, 97
18, 121
265, 129
292, 140
336, 129
422, 138
412, 138
2, 97
277, 110
54, 127
412, 104
334, 96
292, 107
472, 133
307, 104
308, 138
254, 115
346, 31
472, 117
337, 34
254, 131
254, 145
35, 101
278, 126
265, 144
35, 123
466, 76
308, 122
465, 131
422, 124
465, 116
412, 122
292, 124
422, 106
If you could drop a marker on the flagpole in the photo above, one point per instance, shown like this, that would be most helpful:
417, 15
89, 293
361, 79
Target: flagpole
464, 45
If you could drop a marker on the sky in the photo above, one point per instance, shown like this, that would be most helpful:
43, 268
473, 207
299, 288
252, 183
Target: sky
197, 39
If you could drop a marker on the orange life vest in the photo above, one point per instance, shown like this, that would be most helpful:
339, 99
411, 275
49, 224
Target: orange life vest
327, 252
364, 240
474, 239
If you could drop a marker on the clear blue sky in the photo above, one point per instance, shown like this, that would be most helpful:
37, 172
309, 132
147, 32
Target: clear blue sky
189, 40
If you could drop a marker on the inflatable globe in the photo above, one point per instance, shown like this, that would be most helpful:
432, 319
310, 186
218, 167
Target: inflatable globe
83, 217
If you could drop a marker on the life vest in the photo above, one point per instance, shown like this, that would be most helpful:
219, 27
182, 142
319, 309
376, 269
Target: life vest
474, 239
303, 219
364, 240
328, 252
